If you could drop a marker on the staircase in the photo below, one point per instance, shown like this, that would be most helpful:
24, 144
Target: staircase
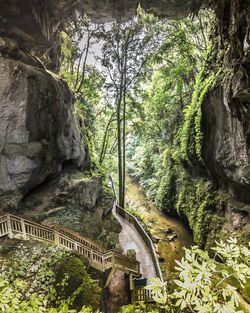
101, 259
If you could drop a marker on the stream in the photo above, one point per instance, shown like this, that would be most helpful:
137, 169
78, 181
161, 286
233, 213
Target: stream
169, 234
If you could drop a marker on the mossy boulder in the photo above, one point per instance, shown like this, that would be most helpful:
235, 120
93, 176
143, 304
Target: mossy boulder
73, 281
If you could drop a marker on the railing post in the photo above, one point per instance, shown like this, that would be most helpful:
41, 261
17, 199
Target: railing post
138, 268
131, 282
23, 229
103, 263
113, 259
132, 296
11, 235
56, 237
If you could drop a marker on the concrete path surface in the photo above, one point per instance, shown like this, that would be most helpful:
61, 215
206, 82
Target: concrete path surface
129, 238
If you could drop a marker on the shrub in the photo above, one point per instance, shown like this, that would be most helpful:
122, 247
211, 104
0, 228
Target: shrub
202, 286
74, 271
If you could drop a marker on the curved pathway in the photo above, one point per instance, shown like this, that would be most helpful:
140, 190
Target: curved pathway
129, 238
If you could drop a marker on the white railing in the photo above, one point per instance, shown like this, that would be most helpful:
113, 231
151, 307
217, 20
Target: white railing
100, 259
138, 294
134, 221
3, 226
141, 294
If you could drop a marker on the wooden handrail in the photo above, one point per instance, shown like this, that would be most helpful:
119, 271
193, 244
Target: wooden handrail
133, 220
101, 259
141, 294
138, 294
76, 236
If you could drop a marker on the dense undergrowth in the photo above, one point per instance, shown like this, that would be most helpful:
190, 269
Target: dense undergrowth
165, 146
44, 278
193, 199
178, 193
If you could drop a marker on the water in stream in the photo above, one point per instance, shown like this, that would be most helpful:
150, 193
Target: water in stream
158, 225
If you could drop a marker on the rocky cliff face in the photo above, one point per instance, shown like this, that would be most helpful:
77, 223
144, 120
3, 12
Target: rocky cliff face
39, 133
225, 126
38, 130
36, 24
226, 110
77, 201
43, 151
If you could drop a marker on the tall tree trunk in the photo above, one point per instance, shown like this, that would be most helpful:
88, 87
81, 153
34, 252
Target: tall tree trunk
84, 62
119, 133
124, 90
105, 138
105, 148
124, 150
119, 150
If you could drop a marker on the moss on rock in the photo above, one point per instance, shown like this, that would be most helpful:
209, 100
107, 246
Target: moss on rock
195, 200
190, 135
166, 197
73, 281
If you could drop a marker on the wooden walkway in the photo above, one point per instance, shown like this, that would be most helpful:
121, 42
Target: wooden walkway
133, 236
129, 238
101, 259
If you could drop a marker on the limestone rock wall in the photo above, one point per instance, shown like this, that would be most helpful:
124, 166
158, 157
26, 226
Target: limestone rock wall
36, 24
77, 201
38, 130
226, 110
35, 27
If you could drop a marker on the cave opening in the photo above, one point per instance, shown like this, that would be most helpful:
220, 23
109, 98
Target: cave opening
155, 96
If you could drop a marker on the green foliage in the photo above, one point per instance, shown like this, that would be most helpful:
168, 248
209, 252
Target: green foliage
139, 308
77, 278
202, 286
246, 290
236, 257
167, 130
161, 104
190, 134
36, 277
193, 199
198, 202
84, 79
33, 263
167, 192
160, 295
144, 166
13, 300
